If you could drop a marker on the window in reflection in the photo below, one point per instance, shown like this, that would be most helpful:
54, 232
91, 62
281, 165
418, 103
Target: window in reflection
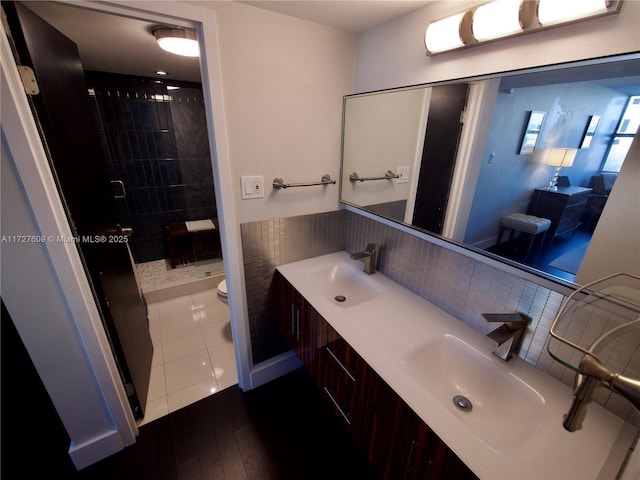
621, 142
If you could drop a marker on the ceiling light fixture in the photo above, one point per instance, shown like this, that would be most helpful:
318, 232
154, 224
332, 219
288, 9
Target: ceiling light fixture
177, 40
507, 18
162, 73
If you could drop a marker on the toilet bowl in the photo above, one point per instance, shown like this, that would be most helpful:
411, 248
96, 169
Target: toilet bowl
222, 291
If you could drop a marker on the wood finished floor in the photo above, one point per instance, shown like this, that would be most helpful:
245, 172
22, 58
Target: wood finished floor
282, 430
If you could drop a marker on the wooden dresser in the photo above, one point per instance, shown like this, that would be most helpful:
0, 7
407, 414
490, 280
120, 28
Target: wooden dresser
564, 207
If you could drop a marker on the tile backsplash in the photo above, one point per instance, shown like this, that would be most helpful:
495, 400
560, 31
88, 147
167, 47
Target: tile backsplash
269, 243
460, 285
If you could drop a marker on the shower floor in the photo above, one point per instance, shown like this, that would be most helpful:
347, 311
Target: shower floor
158, 275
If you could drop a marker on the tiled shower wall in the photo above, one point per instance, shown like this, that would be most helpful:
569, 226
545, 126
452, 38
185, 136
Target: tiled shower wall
461, 286
156, 143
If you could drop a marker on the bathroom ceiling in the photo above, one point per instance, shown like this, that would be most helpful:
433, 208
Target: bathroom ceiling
117, 44
352, 15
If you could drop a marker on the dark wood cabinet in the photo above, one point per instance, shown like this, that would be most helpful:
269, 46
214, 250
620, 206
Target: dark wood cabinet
395, 439
293, 315
564, 207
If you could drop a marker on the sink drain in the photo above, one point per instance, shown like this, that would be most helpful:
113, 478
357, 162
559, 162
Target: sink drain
463, 403
340, 298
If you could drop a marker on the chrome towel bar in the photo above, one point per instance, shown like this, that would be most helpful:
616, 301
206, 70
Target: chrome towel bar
354, 177
278, 183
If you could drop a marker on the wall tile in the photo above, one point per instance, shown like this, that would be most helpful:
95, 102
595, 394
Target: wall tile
148, 152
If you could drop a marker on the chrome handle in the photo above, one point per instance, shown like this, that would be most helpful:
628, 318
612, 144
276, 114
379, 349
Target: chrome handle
341, 365
293, 319
122, 189
126, 231
344, 415
297, 324
407, 468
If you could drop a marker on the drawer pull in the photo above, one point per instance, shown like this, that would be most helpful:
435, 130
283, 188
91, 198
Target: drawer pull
341, 365
335, 403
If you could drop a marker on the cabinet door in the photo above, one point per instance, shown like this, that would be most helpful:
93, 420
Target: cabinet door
291, 312
282, 302
404, 447
344, 378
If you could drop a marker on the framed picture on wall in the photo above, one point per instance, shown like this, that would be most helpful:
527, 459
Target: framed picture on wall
590, 131
531, 132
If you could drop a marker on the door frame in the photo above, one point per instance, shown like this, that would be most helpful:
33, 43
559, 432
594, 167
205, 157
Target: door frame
20, 131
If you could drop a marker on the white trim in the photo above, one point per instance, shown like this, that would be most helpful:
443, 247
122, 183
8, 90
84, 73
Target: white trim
20, 131
274, 367
98, 448
417, 160
467, 165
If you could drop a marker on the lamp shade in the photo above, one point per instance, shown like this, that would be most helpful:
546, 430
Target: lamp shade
497, 19
551, 12
177, 41
444, 34
561, 157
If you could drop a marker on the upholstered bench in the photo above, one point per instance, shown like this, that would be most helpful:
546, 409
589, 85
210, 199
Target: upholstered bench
521, 222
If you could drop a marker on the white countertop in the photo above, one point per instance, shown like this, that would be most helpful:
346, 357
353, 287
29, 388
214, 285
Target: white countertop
384, 328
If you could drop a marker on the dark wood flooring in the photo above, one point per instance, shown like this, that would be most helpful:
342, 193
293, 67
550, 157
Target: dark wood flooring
282, 430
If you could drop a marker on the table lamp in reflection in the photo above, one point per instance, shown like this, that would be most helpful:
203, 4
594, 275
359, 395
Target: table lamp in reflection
558, 158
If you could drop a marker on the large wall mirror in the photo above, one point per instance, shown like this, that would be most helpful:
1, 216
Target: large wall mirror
447, 158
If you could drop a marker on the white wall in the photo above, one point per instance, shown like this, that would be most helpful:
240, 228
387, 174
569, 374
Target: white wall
383, 132
283, 82
393, 54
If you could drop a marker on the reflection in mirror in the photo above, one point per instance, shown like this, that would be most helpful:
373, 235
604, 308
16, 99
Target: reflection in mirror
486, 180
532, 132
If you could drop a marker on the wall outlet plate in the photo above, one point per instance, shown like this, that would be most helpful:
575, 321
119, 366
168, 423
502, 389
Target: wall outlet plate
251, 187
404, 175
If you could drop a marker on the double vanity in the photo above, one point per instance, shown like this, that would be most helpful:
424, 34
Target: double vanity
422, 393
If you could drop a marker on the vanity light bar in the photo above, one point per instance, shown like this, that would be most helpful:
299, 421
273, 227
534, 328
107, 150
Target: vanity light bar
507, 18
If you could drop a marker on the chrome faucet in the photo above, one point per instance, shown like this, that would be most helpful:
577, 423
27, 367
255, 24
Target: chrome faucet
593, 375
508, 336
371, 256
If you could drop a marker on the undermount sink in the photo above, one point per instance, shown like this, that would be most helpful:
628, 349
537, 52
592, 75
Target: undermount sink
505, 408
343, 283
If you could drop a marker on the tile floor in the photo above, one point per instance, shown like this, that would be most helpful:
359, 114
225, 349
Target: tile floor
193, 352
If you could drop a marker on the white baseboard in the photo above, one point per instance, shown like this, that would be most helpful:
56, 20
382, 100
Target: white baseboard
95, 449
273, 368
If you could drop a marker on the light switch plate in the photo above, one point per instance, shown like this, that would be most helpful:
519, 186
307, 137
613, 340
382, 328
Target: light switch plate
251, 187
404, 175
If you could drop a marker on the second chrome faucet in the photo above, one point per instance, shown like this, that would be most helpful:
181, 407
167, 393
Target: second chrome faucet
508, 336
371, 255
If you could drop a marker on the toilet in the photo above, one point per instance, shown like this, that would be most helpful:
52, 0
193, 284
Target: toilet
222, 291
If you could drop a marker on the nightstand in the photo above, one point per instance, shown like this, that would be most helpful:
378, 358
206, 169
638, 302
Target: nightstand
564, 207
